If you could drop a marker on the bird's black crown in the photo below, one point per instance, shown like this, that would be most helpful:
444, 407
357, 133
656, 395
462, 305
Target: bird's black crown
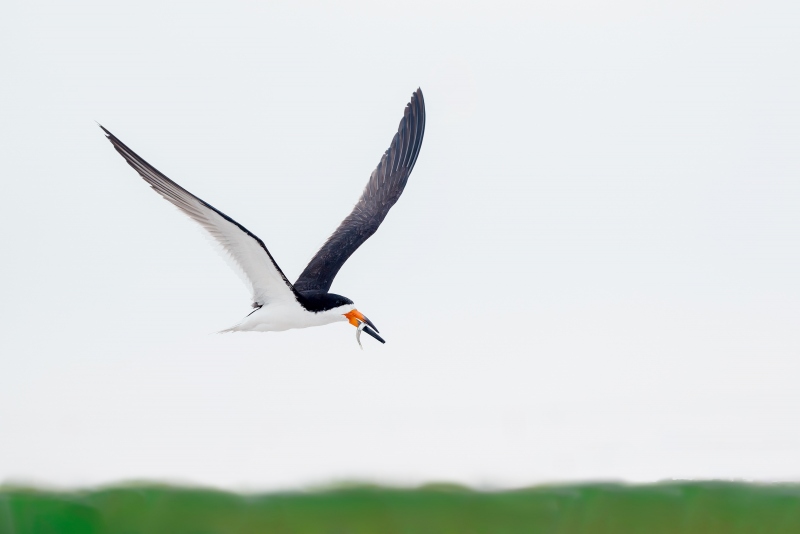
319, 301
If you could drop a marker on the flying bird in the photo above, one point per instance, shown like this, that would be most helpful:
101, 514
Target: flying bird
279, 304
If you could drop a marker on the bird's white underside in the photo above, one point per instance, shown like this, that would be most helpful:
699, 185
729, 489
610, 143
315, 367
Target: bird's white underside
281, 316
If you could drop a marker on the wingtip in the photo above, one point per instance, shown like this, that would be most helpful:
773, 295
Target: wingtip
109, 135
416, 104
418, 98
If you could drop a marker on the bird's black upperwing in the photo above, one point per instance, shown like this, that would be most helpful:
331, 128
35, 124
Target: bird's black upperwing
383, 189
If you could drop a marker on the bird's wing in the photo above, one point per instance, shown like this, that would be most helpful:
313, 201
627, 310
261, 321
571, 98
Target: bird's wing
246, 252
383, 189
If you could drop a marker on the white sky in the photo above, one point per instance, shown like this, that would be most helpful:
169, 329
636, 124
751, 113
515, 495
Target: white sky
593, 272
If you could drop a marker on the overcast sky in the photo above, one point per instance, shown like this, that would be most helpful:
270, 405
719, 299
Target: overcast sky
593, 273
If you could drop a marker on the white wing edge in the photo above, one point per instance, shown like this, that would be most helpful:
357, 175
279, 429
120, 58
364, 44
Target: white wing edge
243, 250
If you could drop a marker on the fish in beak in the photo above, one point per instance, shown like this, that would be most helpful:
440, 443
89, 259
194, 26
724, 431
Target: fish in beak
359, 320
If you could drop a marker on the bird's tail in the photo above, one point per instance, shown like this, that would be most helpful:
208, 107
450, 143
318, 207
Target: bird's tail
245, 325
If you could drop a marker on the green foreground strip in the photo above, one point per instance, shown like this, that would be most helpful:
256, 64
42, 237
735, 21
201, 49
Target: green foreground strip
702, 508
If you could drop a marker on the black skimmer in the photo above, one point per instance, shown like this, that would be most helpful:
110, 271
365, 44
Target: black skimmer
279, 304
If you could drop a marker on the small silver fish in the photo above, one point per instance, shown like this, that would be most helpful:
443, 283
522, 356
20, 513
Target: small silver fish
361, 326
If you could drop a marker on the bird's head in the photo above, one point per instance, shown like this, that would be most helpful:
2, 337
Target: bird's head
338, 308
360, 321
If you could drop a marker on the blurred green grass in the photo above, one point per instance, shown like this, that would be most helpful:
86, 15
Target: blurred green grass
668, 508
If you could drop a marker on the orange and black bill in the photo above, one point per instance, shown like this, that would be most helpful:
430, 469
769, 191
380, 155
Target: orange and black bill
356, 318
